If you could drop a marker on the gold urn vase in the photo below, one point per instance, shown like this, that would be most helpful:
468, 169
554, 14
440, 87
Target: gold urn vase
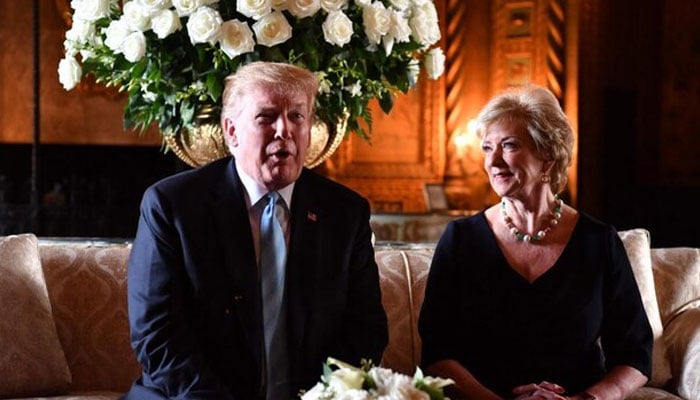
205, 143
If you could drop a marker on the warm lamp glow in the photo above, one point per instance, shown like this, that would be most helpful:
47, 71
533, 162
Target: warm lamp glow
466, 139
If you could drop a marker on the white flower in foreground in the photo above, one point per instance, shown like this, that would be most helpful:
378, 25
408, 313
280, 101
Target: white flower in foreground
255, 9
236, 38
343, 379
303, 8
165, 22
203, 25
115, 34
90, 10
333, 5
134, 46
376, 20
337, 28
185, 8
136, 16
434, 63
69, 72
272, 29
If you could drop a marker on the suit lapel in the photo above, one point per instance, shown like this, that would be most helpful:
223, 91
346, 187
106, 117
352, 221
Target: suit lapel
230, 214
306, 220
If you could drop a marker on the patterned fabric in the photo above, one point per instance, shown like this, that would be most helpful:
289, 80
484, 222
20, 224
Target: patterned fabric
402, 276
87, 287
31, 359
648, 393
80, 396
637, 245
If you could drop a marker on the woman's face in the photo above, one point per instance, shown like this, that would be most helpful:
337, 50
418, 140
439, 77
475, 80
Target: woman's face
511, 160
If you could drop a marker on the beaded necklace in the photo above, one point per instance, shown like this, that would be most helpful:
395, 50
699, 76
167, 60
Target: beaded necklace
525, 237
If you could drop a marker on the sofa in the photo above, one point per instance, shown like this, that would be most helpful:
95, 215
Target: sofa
64, 325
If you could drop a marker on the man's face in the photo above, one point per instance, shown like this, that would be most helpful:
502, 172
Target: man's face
268, 134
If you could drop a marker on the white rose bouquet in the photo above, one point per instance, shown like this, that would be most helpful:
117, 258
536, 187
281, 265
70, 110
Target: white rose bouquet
171, 56
347, 382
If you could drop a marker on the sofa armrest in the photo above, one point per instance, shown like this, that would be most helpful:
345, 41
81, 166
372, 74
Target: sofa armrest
682, 337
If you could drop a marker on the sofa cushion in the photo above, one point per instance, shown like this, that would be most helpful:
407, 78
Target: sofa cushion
86, 281
403, 273
677, 279
32, 362
638, 247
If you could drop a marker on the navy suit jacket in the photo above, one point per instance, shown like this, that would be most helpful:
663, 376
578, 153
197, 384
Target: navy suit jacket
194, 292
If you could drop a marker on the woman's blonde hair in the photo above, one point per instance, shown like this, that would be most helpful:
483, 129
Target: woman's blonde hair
536, 109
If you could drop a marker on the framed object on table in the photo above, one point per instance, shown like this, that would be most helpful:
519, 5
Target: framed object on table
435, 199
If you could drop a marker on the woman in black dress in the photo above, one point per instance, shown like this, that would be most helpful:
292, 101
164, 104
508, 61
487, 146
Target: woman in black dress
532, 299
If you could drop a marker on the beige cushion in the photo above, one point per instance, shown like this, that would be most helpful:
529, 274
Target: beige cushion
87, 287
32, 362
402, 276
638, 249
677, 279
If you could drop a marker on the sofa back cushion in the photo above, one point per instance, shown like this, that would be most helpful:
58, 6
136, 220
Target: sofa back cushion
403, 273
677, 278
638, 246
32, 362
87, 285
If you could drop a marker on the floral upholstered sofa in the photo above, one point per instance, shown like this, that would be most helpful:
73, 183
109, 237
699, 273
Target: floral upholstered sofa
64, 328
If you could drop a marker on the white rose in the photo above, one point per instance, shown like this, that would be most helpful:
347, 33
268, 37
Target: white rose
185, 8
401, 5
138, 18
90, 10
272, 29
424, 26
81, 32
279, 5
333, 5
116, 32
399, 30
236, 38
153, 6
429, 10
363, 3
69, 48
434, 63
134, 46
203, 25
255, 9
69, 72
337, 28
165, 22
376, 20
303, 8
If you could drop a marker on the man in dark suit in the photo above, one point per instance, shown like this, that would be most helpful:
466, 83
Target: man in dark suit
195, 300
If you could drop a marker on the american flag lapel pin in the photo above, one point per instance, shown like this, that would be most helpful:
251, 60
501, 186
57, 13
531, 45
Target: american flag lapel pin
311, 216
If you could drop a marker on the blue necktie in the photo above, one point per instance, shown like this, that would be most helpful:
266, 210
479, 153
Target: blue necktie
273, 255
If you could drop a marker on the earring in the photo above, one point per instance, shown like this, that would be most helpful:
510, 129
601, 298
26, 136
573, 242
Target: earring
545, 178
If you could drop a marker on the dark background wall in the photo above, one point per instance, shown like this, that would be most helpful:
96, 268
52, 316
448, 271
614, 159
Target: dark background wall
639, 133
639, 117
